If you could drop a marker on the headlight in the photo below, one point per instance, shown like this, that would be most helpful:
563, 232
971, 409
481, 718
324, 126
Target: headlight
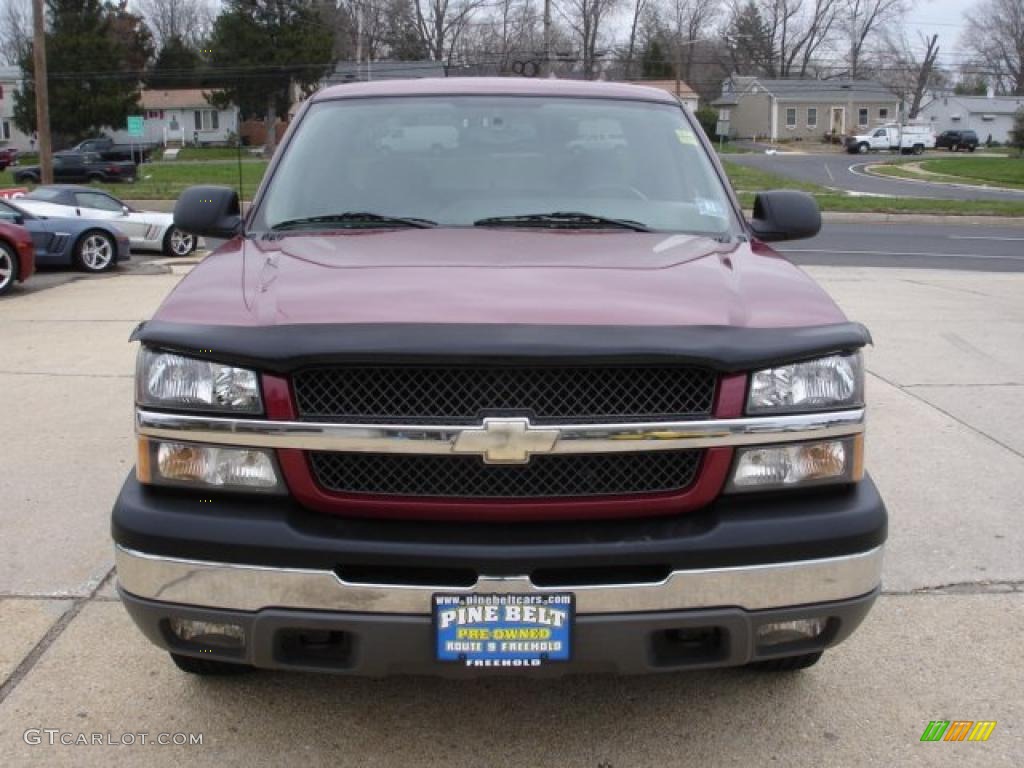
798, 465
830, 382
165, 380
213, 467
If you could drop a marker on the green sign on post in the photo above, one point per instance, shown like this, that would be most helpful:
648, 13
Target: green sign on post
136, 125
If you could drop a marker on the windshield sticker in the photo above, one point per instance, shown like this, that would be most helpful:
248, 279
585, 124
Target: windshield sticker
710, 208
686, 136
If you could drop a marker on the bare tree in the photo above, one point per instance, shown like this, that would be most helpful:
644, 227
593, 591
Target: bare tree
441, 22
188, 20
692, 21
587, 19
863, 19
15, 30
995, 34
908, 72
639, 6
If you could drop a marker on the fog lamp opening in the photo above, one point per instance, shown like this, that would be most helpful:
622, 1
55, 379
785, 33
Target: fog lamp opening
208, 633
798, 630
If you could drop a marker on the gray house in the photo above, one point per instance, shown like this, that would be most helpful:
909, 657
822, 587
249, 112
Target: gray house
802, 110
985, 115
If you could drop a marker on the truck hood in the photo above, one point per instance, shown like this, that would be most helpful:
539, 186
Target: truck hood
497, 276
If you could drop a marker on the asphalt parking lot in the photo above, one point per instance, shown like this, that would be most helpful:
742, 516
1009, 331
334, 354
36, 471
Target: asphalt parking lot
945, 445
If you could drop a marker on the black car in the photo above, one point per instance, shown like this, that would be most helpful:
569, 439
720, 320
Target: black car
957, 140
85, 166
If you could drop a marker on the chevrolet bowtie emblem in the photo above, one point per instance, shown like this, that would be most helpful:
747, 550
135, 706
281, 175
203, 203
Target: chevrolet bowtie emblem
506, 441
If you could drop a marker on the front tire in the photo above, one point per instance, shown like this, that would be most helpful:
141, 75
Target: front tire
863, 148
95, 251
208, 667
26, 178
178, 243
787, 663
8, 268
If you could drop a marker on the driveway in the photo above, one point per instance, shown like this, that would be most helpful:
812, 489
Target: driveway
847, 172
945, 445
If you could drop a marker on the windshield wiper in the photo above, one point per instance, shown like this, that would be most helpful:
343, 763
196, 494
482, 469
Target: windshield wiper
355, 218
563, 219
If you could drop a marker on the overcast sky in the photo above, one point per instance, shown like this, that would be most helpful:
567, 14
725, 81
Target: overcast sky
944, 18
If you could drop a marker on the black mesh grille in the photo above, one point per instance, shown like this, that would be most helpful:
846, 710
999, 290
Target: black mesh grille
463, 395
469, 477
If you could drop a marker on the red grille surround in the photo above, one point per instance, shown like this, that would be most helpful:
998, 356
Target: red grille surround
710, 479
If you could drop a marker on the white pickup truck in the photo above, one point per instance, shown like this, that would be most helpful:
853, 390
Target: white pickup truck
892, 137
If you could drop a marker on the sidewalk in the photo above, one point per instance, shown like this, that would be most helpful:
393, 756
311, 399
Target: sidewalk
945, 444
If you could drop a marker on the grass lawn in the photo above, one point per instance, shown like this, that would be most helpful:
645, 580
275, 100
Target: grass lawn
746, 179
1002, 171
165, 181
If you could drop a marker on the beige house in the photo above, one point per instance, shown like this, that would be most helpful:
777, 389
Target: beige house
686, 95
802, 110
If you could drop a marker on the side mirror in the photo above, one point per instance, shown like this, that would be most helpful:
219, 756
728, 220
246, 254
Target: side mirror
125, 210
209, 211
785, 214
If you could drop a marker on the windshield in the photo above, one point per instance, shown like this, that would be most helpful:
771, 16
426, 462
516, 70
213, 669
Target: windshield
460, 161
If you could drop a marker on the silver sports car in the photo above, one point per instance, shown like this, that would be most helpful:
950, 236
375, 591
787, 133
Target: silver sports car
147, 230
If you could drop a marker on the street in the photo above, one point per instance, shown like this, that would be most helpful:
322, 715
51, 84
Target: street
945, 444
994, 247
846, 172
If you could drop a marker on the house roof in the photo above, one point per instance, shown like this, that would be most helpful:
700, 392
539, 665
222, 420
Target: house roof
806, 89
669, 86
997, 105
364, 71
174, 98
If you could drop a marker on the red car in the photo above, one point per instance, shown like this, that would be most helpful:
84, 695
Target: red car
17, 256
8, 156
516, 388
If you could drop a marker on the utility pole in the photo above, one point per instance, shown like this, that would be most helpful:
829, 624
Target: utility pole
547, 38
42, 93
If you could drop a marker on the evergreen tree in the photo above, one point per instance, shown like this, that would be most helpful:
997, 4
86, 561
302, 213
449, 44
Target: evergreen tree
261, 48
94, 54
748, 39
177, 66
655, 62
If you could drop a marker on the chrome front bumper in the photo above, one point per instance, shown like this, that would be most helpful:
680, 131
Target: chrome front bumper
237, 587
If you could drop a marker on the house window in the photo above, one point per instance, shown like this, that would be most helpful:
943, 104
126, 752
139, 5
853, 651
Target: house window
862, 116
5, 130
207, 120
154, 114
812, 117
791, 118
883, 113
723, 115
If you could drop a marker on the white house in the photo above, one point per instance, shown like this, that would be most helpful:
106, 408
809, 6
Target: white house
985, 115
181, 116
10, 136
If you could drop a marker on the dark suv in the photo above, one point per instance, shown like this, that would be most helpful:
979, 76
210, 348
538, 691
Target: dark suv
957, 140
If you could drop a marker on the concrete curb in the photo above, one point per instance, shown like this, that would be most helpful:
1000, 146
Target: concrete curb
937, 183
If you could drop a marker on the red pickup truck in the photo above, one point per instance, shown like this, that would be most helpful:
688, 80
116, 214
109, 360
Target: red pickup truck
532, 399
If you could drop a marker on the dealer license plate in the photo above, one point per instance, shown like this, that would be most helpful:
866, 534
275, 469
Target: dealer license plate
503, 630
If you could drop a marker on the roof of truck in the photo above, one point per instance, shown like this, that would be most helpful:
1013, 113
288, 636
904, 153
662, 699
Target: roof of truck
495, 86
